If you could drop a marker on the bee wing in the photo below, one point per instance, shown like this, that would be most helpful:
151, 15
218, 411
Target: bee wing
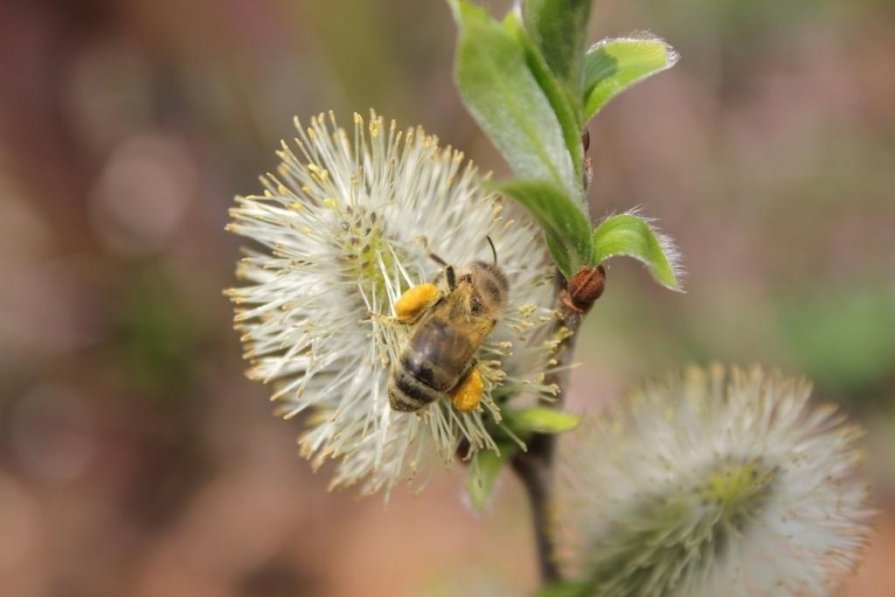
443, 345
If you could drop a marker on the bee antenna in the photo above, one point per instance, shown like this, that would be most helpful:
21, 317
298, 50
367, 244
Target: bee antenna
493, 250
437, 259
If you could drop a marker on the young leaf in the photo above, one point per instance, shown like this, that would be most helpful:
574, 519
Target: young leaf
567, 228
543, 420
560, 255
506, 100
613, 65
481, 479
566, 105
559, 30
632, 236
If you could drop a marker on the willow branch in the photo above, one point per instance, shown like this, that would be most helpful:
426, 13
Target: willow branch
534, 466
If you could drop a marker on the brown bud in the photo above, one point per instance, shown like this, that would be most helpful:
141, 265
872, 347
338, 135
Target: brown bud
584, 289
585, 139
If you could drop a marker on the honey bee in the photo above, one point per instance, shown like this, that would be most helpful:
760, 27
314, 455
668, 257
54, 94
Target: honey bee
453, 315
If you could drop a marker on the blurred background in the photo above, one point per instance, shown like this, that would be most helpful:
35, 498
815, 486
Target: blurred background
135, 459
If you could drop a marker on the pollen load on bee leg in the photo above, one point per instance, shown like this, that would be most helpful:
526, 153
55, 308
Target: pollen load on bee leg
468, 394
414, 300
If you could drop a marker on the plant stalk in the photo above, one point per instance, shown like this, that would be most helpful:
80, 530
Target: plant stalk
534, 466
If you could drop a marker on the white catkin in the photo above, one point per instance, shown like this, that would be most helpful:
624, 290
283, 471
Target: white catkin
343, 228
712, 483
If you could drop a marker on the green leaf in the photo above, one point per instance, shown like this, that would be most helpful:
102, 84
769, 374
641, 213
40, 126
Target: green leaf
543, 420
613, 65
559, 30
632, 236
560, 254
567, 589
565, 225
481, 479
565, 103
506, 100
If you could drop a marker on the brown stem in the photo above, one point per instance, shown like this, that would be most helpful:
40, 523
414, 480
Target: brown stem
534, 466
572, 301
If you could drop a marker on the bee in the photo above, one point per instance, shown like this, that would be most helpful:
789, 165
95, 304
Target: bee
453, 316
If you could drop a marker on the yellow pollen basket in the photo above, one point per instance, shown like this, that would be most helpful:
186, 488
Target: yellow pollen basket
469, 393
414, 300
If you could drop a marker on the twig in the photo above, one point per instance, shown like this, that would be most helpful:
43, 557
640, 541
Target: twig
534, 466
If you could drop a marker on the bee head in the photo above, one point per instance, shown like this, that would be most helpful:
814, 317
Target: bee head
490, 283
490, 273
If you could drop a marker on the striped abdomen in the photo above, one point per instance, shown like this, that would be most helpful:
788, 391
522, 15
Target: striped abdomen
436, 359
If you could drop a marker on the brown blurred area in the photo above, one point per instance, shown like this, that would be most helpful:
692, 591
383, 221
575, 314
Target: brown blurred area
134, 457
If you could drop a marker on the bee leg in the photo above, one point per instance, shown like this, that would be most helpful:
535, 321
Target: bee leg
468, 393
451, 277
382, 318
414, 300
446, 279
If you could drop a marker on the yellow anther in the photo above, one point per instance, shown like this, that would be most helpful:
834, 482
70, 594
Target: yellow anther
321, 174
527, 309
468, 394
414, 300
330, 203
